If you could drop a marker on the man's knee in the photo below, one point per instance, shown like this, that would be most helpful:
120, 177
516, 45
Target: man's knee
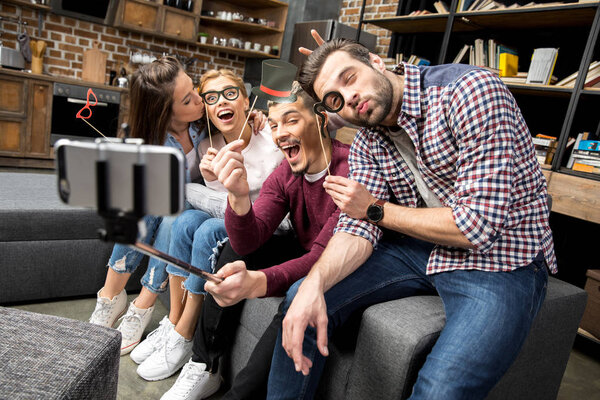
290, 294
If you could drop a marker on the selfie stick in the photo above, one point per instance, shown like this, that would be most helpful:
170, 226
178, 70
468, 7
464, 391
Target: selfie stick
122, 227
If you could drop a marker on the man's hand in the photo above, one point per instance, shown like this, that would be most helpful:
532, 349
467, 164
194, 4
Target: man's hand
308, 308
259, 120
238, 284
350, 196
318, 39
228, 166
206, 167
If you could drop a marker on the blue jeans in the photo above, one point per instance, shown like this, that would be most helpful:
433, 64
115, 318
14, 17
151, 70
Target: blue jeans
196, 239
126, 260
488, 317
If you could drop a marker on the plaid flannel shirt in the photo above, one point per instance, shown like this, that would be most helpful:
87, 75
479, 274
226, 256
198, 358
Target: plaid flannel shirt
475, 153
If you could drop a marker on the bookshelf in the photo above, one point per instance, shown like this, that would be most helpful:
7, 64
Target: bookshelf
562, 112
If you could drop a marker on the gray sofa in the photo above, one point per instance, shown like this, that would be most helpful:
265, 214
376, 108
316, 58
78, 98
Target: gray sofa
51, 251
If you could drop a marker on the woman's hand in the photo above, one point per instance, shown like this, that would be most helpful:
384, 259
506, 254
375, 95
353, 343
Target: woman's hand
206, 165
259, 120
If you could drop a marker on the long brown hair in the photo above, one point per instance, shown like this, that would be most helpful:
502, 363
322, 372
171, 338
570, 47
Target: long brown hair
152, 87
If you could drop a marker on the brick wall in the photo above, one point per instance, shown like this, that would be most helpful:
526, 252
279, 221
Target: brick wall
350, 13
67, 38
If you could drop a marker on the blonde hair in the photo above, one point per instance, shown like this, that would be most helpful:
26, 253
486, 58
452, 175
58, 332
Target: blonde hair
227, 73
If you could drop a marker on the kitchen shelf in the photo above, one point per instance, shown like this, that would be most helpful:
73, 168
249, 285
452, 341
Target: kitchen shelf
28, 4
433, 23
234, 50
238, 25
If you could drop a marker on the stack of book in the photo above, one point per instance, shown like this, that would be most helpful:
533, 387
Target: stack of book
416, 60
480, 5
545, 147
585, 155
490, 54
542, 65
592, 79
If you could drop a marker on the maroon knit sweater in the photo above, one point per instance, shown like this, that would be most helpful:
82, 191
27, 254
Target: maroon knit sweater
313, 214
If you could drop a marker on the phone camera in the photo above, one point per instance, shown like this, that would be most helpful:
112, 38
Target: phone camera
64, 189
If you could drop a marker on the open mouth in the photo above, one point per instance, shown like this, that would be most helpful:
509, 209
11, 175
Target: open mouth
291, 150
225, 115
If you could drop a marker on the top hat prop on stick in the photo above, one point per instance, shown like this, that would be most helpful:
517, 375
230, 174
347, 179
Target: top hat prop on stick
275, 85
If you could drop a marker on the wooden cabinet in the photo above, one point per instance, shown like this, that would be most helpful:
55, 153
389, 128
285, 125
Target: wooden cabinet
140, 14
12, 116
157, 19
25, 112
179, 23
257, 22
556, 111
37, 142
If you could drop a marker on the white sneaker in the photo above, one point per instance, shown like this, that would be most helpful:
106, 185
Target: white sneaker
132, 326
168, 359
107, 311
153, 341
194, 383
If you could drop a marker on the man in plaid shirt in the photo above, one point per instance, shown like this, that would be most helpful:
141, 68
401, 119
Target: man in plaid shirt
445, 195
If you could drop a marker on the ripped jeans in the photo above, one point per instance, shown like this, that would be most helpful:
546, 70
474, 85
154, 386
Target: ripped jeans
197, 239
126, 260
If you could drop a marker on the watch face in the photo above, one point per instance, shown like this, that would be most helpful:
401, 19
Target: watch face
375, 213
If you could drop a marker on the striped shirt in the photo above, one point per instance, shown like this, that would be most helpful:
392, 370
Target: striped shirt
475, 153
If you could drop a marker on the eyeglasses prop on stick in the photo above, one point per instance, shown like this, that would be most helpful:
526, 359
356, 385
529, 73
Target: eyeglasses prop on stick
332, 102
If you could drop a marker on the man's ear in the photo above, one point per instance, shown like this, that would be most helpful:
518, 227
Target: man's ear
325, 132
377, 62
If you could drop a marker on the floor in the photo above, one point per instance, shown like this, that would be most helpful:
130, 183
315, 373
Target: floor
580, 382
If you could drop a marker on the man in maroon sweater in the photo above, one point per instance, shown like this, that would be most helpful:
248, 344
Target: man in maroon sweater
255, 262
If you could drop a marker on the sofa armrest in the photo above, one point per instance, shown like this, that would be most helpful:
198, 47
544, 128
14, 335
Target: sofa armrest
393, 342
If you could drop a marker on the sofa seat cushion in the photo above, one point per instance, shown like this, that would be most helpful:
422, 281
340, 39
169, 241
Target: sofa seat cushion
30, 209
48, 357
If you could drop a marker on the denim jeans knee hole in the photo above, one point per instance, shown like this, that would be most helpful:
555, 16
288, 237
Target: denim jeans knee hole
120, 265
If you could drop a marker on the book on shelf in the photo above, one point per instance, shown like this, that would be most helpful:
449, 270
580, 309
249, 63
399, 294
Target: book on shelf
416, 60
508, 64
542, 65
592, 79
441, 7
461, 54
569, 81
581, 136
586, 167
545, 148
519, 79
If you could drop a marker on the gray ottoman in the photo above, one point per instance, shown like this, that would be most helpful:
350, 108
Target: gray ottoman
47, 357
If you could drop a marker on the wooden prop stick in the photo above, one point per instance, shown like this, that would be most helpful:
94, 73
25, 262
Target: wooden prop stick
94, 128
248, 117
322, 146
208, 123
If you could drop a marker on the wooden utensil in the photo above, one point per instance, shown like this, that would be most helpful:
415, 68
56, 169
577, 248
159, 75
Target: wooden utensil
94, 64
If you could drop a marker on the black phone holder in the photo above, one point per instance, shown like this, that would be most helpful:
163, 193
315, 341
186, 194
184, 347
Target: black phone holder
122, 226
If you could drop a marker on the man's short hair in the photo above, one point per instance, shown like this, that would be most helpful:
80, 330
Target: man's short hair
313, 64
301, 94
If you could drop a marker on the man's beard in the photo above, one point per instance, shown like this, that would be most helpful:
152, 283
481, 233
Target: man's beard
381, 100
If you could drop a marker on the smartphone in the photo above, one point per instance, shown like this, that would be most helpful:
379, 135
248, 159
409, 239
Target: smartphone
76, 165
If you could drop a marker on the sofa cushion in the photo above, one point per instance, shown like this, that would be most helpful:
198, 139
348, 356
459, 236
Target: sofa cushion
30, 209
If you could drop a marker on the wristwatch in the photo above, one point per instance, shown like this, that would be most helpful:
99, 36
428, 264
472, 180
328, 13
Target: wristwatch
375, 212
